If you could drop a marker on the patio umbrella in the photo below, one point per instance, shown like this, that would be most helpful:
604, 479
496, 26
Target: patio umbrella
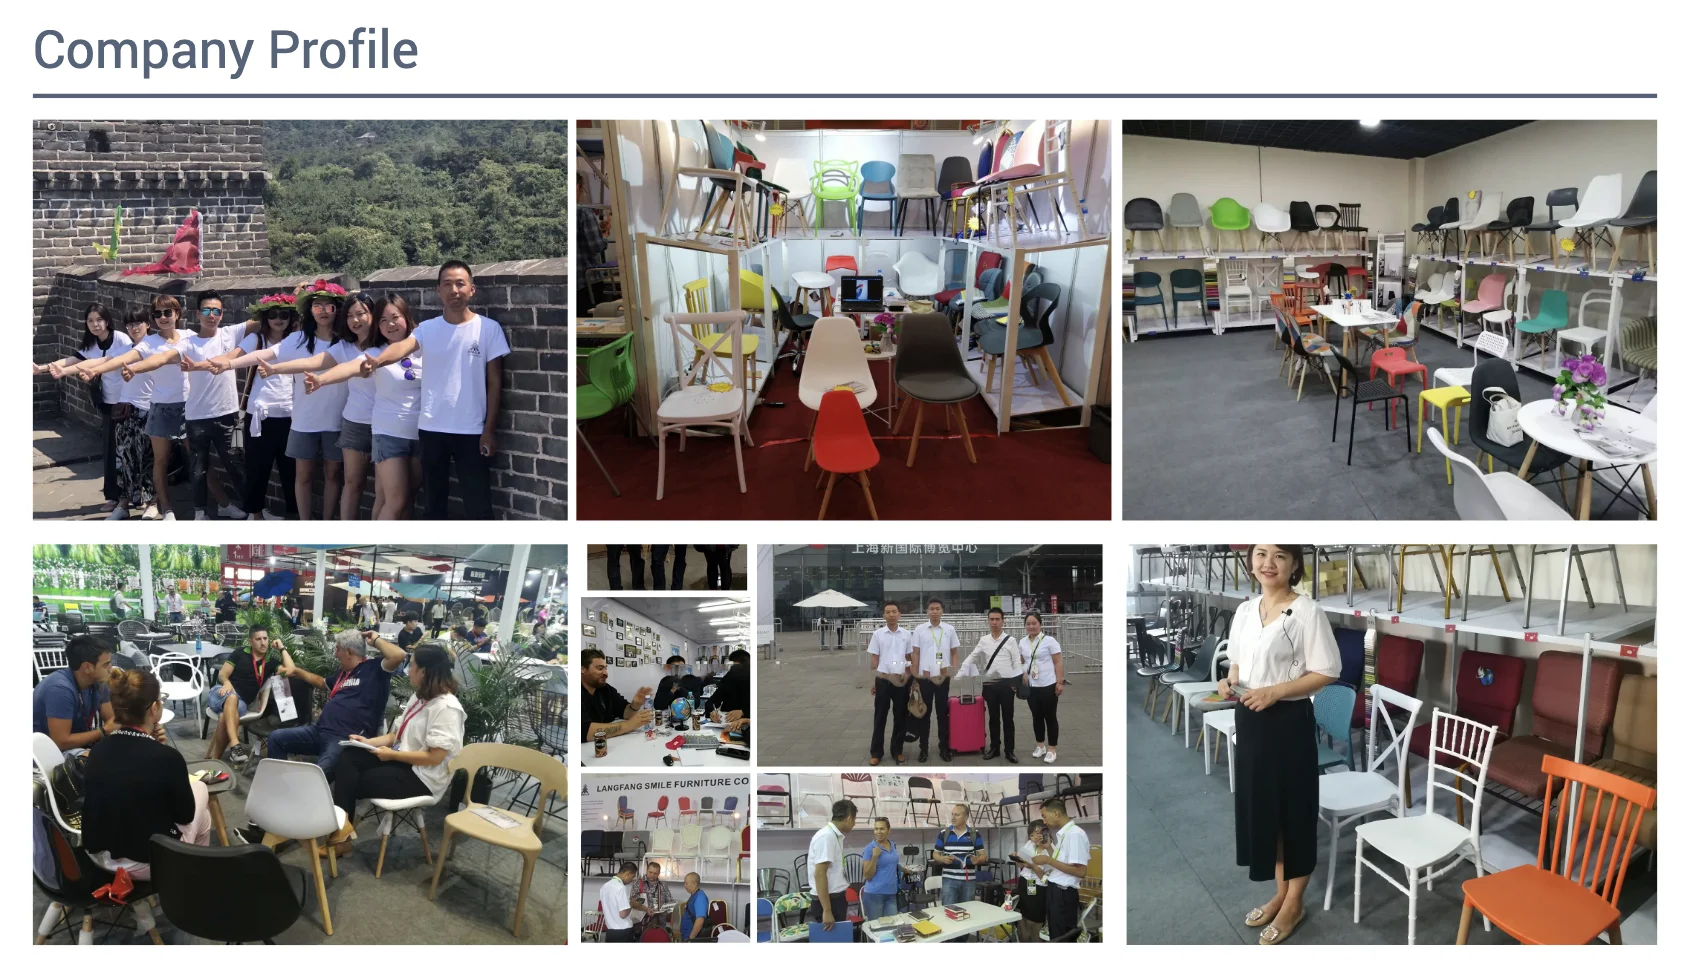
829, 599
274, 584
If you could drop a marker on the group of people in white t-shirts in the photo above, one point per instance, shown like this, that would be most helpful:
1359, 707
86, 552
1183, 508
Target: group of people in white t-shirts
336, 390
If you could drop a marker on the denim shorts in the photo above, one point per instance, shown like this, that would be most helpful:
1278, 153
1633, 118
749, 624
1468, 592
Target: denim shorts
313, 445
167, 421
385, 446
215, 703
355, 436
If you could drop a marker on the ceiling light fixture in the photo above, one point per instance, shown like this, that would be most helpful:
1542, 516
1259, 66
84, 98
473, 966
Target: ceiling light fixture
1369, 124
730, 605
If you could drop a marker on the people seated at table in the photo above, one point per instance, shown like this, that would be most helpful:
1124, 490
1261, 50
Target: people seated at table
676, 682
73, 705
411, 631
411, 760
134, 786
734, 688
695, 922
602, 708
880, 894
358, 696
656, 892
617, 907
241, 677
480, 638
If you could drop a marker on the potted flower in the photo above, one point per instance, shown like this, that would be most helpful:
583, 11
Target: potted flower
1579, 391
881, 330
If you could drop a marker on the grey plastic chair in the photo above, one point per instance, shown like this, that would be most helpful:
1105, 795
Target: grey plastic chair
1566, 196
930, 370
1184, 213
1640, 217
915, 180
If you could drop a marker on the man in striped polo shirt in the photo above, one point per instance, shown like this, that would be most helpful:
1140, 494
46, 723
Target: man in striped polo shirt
961, 851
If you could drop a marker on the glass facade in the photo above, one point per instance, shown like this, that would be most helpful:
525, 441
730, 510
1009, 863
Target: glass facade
965, 578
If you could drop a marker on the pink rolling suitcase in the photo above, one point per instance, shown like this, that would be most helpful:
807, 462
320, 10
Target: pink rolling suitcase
969, 722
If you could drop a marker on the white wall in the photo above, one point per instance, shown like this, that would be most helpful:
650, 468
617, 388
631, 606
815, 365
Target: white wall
1538, 157
627, 680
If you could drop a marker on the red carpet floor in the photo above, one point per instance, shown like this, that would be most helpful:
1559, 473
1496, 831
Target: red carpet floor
1022, 475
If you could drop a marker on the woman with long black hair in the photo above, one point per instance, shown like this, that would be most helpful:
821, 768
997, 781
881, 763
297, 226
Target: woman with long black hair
314, 438
1281, 651
1043, 657
101, 338
270, 404
166, 421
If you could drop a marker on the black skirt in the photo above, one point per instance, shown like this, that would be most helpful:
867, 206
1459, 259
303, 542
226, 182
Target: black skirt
1031, 905
1276, 791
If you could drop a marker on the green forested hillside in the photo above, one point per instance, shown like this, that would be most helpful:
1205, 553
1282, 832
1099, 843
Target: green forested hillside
353, 196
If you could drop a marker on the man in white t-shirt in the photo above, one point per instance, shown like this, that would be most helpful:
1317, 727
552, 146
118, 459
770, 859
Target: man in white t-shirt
459, 413
618, 909
890, 647
1071, 852
827, 859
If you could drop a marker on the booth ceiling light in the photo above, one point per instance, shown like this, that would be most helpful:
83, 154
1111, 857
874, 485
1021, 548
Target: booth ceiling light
726, 605
724, 620
1369, 124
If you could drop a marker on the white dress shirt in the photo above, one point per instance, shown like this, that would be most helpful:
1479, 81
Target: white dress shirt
890, 649
613, 899
1038, 652
1073, 848
1289, 647
829, 846
934, 646
1008, 663
1036, 875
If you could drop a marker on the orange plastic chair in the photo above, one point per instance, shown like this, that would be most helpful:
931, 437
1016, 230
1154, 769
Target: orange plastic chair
1398, 365
843, 445
1540, 903
847, 263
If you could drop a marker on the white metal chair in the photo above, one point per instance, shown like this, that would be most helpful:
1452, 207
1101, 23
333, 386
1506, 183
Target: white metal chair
291, 800
1462, 749
717, 845
1591, 221
1222, 722
1347, 796
1492, 343
1191, 695
1499, 496
712, 391
1487, 210
1271, 220
662, 850
686, 846
835, 358
919, 276
49, 659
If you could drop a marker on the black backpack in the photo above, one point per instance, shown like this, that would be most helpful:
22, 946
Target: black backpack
69, 788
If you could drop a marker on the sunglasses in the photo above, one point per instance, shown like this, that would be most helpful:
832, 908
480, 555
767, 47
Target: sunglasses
211, 311
161, 314
276, 314
406, 366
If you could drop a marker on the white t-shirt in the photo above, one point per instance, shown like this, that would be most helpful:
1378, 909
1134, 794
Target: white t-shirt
319, 411
212, 395
439, 724
111, 382
1285, 650
1038, 654
934, 647
137, 393
170, 385
829, 846
361, 393
1073, 848
455, 391
1034, 874
397, 400
613, 899
271, 397
889, 648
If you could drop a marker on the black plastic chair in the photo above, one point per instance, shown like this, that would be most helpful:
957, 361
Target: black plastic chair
802, 872
1089, 785
1517, 215
1497, 373
1641, 216
800, 324
930, 370
231, 894
1142, 215
1351, 220
956, 172
1303, 222
1428, 231
1453, 213
1568, 196
1368, 392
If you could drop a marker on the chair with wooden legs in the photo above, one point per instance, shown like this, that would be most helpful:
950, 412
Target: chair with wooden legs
706, 394
290, 800
930, 370
525, 838
729, 188
1568, 895
842, 444
1034, 335
834, 358
1436, 555
1640, 219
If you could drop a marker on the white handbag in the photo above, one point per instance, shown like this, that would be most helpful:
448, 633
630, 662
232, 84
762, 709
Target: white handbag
1502, 425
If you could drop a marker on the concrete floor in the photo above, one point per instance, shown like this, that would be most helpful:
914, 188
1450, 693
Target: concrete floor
692, 579
1184, 888
474, 905
1214, 433
815, 710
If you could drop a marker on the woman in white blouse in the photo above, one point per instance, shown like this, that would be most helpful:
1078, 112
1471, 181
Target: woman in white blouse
1282, 651
1044, 659
412, 759
1031, 882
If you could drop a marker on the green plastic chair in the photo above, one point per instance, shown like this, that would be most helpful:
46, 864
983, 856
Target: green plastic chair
1553, 316
836, 180
611, 384
1226, 215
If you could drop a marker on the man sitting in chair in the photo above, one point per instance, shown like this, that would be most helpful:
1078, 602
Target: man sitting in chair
241, 678
358, 695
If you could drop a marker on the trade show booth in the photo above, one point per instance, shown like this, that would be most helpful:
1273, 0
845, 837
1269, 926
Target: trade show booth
1523, 252
776, 262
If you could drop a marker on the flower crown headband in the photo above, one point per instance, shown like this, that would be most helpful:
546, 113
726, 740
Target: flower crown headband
275, 301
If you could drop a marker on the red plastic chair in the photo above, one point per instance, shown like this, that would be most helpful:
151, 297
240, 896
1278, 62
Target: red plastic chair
1398, 365
854, 907
843, 445
663, 813
848, 265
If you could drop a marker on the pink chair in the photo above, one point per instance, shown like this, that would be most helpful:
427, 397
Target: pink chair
1397, 365
1490, 295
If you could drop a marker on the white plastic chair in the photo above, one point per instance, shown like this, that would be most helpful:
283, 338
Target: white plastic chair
1496, 497
687, 846
47, 756
1435, 285
712, 392
1601, 202
174, 692
1222, 722
49, 659
409, 811
1271, 220
1515, 301
1487, 209
1346, 796
1462, 749
662, 850
1187, 694
1492, 343
834, 358
291, 799
919, 276
794, 175
1236, 288
1582, 335
718, 846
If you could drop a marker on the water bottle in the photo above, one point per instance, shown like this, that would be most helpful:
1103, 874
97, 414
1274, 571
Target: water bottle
651, 725
197, 646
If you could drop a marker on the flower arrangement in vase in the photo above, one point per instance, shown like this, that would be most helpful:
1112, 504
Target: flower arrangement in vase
881, 330
1579, 391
